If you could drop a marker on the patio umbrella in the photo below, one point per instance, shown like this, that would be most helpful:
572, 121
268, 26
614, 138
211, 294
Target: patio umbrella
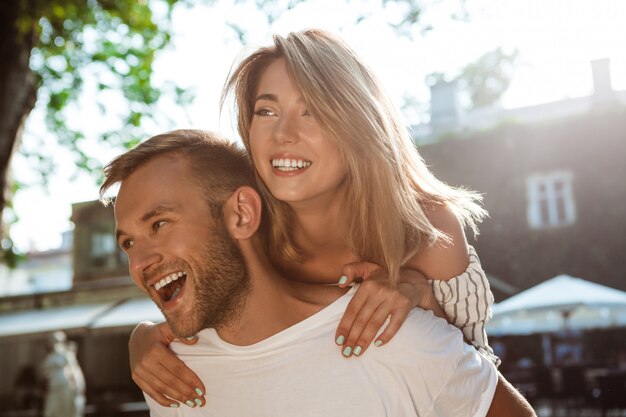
560, 303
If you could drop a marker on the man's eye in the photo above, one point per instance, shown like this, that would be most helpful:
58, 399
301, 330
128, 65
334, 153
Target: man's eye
157, 225
126, 244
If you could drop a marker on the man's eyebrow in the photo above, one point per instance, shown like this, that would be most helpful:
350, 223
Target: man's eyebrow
157, 211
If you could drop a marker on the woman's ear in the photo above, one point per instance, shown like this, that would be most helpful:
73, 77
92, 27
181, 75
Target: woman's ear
242, 213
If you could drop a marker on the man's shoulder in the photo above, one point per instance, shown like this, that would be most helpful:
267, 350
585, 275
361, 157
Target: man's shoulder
422, 331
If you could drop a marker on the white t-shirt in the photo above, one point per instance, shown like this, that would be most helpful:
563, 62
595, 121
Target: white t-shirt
426, 370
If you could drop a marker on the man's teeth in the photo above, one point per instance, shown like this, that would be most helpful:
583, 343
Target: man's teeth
290, 164
171, 277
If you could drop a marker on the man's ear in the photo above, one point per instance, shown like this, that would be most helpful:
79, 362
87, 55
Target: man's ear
242, 213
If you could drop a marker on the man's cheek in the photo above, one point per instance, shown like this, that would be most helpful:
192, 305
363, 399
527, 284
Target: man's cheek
139, 283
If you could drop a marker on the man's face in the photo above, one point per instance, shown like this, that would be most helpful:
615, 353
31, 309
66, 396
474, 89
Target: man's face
178, 253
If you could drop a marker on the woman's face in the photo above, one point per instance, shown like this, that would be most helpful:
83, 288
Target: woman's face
296, 160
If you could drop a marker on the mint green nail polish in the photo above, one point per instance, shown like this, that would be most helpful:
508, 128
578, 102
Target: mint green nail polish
378, 343
357, 350
190, 403
198, 401
198, 391
174, 405
340, 340
347, 351
190, 337
343, 280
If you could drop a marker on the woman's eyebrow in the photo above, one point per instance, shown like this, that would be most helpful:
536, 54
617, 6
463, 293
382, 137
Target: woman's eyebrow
274, 98
266, 96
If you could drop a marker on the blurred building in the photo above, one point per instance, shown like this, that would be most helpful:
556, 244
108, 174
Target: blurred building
41, 271
449, 120
553, 181
97, 310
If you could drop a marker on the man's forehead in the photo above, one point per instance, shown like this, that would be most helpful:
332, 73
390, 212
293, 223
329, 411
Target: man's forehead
160, 174
163, 182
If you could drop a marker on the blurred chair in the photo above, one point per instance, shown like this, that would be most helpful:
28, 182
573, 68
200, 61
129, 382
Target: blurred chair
611, 392
572, 392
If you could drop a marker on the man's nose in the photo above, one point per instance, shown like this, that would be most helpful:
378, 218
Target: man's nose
143, 256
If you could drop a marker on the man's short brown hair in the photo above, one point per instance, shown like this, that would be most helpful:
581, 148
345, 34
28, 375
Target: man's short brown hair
218, 165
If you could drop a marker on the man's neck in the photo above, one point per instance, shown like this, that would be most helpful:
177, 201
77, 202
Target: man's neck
274, 303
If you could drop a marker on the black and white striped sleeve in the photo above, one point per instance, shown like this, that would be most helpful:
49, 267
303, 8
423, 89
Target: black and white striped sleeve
467, 299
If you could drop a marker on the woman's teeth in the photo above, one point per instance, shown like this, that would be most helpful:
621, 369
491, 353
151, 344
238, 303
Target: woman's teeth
290, 164
171, 277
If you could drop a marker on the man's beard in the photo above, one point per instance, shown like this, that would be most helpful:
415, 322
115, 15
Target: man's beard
221, 285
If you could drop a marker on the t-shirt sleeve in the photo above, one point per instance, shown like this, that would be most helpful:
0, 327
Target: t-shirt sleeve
447, 377
469, 390
467, 300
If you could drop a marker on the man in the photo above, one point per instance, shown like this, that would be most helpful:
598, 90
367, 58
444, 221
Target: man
190, 220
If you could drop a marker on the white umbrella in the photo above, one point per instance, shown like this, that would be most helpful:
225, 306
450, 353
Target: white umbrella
559, 303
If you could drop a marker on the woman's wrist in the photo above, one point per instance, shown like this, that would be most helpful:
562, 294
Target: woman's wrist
421, 292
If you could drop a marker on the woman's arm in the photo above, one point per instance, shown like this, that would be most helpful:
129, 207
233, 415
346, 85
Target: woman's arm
158, 372
445, 259
377, 304
460, 285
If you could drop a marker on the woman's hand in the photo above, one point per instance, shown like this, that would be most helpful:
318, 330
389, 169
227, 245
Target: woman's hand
375, 301
158, 372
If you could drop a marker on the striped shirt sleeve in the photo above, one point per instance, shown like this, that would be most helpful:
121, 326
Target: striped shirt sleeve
467, 300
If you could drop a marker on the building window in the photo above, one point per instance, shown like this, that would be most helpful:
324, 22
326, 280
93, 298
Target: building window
550, 200
103, 249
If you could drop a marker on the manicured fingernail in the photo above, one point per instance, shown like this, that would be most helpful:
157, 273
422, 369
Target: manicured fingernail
174, 405
190, 403
199, 391
343, 280
198, 401
347, 351
190, 337
357, 350
378, 343
340, 340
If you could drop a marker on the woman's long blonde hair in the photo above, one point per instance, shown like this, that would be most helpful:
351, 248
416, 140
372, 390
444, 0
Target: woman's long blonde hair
388, 184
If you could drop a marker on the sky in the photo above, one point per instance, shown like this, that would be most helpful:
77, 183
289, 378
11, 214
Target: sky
556, 39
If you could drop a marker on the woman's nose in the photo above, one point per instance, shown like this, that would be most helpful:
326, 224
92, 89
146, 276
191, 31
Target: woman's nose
286, 130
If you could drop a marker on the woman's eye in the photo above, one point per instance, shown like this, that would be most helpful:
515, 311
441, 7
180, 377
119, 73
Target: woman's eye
264, 112
127, 244
306, 113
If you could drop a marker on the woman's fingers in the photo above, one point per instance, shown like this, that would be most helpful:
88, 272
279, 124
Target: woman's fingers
355, 270
351, 313
158, 371
373, 303
162, 375
396, 319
